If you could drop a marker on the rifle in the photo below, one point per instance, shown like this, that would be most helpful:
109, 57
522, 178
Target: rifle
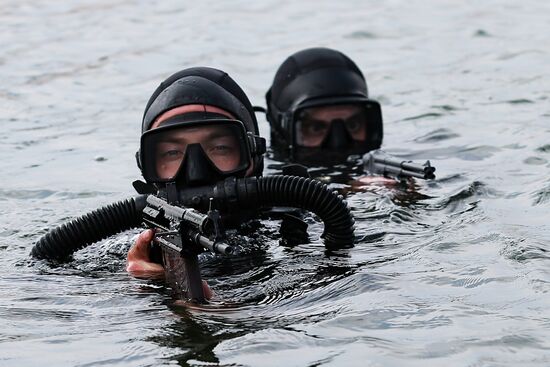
379, 162
186, 232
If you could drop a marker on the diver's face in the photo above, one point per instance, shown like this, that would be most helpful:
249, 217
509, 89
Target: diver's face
217, 142
313, 124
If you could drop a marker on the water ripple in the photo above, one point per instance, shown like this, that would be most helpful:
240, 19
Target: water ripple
474, 189
437, 135
423, 116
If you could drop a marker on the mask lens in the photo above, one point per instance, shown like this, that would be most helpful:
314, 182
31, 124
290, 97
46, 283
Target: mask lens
313, 124
223, 143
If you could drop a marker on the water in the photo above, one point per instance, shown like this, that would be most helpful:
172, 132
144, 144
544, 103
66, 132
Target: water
452, 272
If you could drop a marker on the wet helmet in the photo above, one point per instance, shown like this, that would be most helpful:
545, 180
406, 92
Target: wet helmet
194, 164
320, 77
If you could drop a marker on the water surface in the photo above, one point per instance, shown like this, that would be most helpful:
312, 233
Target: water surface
452, 272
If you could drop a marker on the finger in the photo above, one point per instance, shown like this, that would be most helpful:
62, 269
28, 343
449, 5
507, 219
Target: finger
139, 262
146, 236
206, 290
140, 249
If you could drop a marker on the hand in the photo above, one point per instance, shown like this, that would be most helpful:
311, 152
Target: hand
376, 180
139, 263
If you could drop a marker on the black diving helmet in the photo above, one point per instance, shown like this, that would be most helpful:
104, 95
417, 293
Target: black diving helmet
195, 152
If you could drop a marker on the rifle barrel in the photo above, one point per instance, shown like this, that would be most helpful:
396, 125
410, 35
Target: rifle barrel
213, 246
379, 162
385, 169
407, 165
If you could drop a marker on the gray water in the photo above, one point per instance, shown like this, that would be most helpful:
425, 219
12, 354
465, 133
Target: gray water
452, 272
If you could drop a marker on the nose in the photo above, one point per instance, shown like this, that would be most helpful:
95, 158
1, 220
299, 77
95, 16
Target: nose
338, 136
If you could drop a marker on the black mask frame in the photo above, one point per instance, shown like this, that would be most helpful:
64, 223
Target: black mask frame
250, 146
287, 124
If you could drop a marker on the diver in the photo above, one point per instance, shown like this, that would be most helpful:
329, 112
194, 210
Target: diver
198, 128
320, 114
318, 103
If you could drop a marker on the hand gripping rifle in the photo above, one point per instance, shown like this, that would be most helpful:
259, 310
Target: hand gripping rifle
379, 162
186, 232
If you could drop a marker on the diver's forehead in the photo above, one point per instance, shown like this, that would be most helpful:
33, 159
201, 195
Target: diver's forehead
182, 110
196, 133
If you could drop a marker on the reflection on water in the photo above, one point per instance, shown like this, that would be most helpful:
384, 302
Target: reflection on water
450, 272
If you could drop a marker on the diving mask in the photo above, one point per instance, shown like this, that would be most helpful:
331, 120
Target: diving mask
198, 152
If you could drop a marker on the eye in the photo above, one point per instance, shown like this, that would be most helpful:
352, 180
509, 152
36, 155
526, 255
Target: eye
223, 146
222, 149
353, 125
315, 127
171, 154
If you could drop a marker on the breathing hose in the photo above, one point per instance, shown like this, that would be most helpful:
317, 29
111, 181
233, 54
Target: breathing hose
63, 241
243, 193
